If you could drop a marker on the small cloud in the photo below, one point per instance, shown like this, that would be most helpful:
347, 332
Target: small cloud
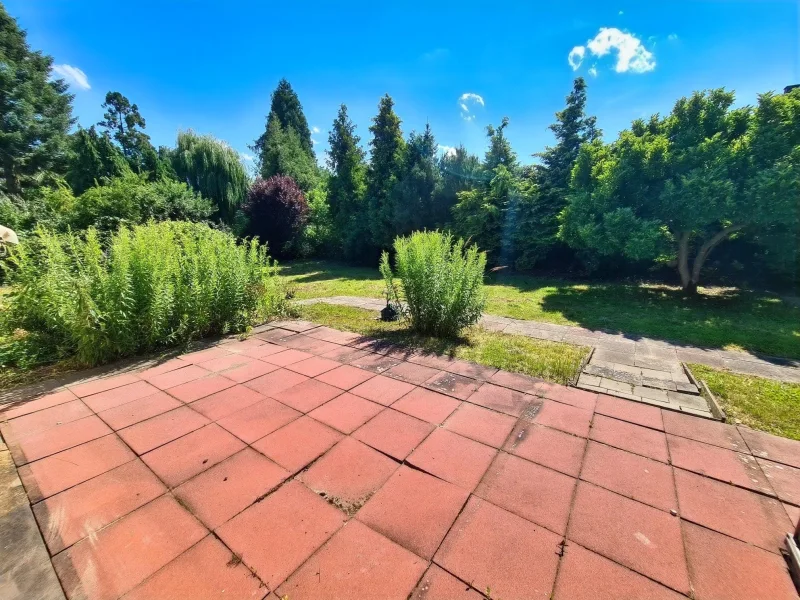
313, 141
436, 54
575, 57
448, 151
593, 71
315, 129
631, 53
672, 37
468, 102
73, 76
247, 157
621, 13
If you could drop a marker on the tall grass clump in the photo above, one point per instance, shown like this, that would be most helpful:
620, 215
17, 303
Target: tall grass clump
440, 288
152, 286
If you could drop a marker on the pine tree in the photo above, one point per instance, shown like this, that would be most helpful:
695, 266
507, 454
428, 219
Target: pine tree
94, 160
347, 184
123, 121
286, 109
387, 148
282, 153
499, 152
413, 195
35, 111
459, 171
538, 218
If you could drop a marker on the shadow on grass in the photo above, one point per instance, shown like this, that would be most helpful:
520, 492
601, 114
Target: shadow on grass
314, 271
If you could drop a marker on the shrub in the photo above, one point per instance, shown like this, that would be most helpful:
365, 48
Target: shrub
441, 282
277, 210
156, 285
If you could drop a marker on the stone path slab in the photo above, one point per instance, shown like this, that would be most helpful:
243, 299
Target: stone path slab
622, 348
375, 472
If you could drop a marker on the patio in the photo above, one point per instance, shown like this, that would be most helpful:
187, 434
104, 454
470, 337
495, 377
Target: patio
311, 463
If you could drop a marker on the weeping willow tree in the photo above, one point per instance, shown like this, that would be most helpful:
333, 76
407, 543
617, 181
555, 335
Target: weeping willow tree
212, 168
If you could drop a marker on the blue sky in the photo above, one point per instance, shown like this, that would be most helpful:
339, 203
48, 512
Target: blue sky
211, 66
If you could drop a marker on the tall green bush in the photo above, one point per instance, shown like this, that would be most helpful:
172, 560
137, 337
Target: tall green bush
441, 282
155, 285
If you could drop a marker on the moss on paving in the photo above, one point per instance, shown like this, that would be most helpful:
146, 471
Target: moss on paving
725, 318
764, 404
554, 361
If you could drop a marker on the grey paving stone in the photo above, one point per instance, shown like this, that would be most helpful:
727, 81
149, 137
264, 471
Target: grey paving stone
586, 379
651, 393
618, 386
659, 384
687, 388
614, 357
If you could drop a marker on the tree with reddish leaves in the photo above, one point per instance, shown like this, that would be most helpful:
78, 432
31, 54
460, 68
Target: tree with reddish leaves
277, 210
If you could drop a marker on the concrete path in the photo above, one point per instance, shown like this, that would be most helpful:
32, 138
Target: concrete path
313, 463
619, 348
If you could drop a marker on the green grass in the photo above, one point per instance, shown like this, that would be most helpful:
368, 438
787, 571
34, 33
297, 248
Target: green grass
759, 403
553, 361
724, 318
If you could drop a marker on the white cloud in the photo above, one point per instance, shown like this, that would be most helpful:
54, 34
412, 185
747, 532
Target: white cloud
575, 57
313, 141
315, 129
447, 150
247, 157
672, 37
593, 71
631, 54
468, 103
621, 13
73, 76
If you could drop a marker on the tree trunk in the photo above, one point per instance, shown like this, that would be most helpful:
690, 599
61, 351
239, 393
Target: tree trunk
702, 255
12, 183
683, 260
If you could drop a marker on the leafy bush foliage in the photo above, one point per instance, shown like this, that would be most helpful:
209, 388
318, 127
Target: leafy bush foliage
277, 211
441, 282
133, 200
156, 285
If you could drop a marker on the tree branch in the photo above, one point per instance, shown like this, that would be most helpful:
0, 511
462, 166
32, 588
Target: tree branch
708, 246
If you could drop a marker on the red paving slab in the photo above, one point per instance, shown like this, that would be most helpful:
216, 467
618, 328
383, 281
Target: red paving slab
101, 385
785, 480
61, 471
24, 408
164, 428
453, 458
566, 395
307, 395
125, 553
346, 412
56, 439
739, 513
225, 490
88, 507
704, 430
118, 534
257, 420
119, 396
438, 584
718, 463
637, 536
356, 563
275, 536
297, 444
633, 412
585, 575
630, 475
772, 447
195, 452
226, 402
481, 424
633, 438
725, 569
131, 413
414, 510
393, 433
427, 405
345, 377
200, 388
349, 474
529, 490
496, 550
383, 390
202, 572
549, 447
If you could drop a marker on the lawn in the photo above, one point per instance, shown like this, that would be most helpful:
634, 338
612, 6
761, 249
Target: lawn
759, 403
724, 318
553, 361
